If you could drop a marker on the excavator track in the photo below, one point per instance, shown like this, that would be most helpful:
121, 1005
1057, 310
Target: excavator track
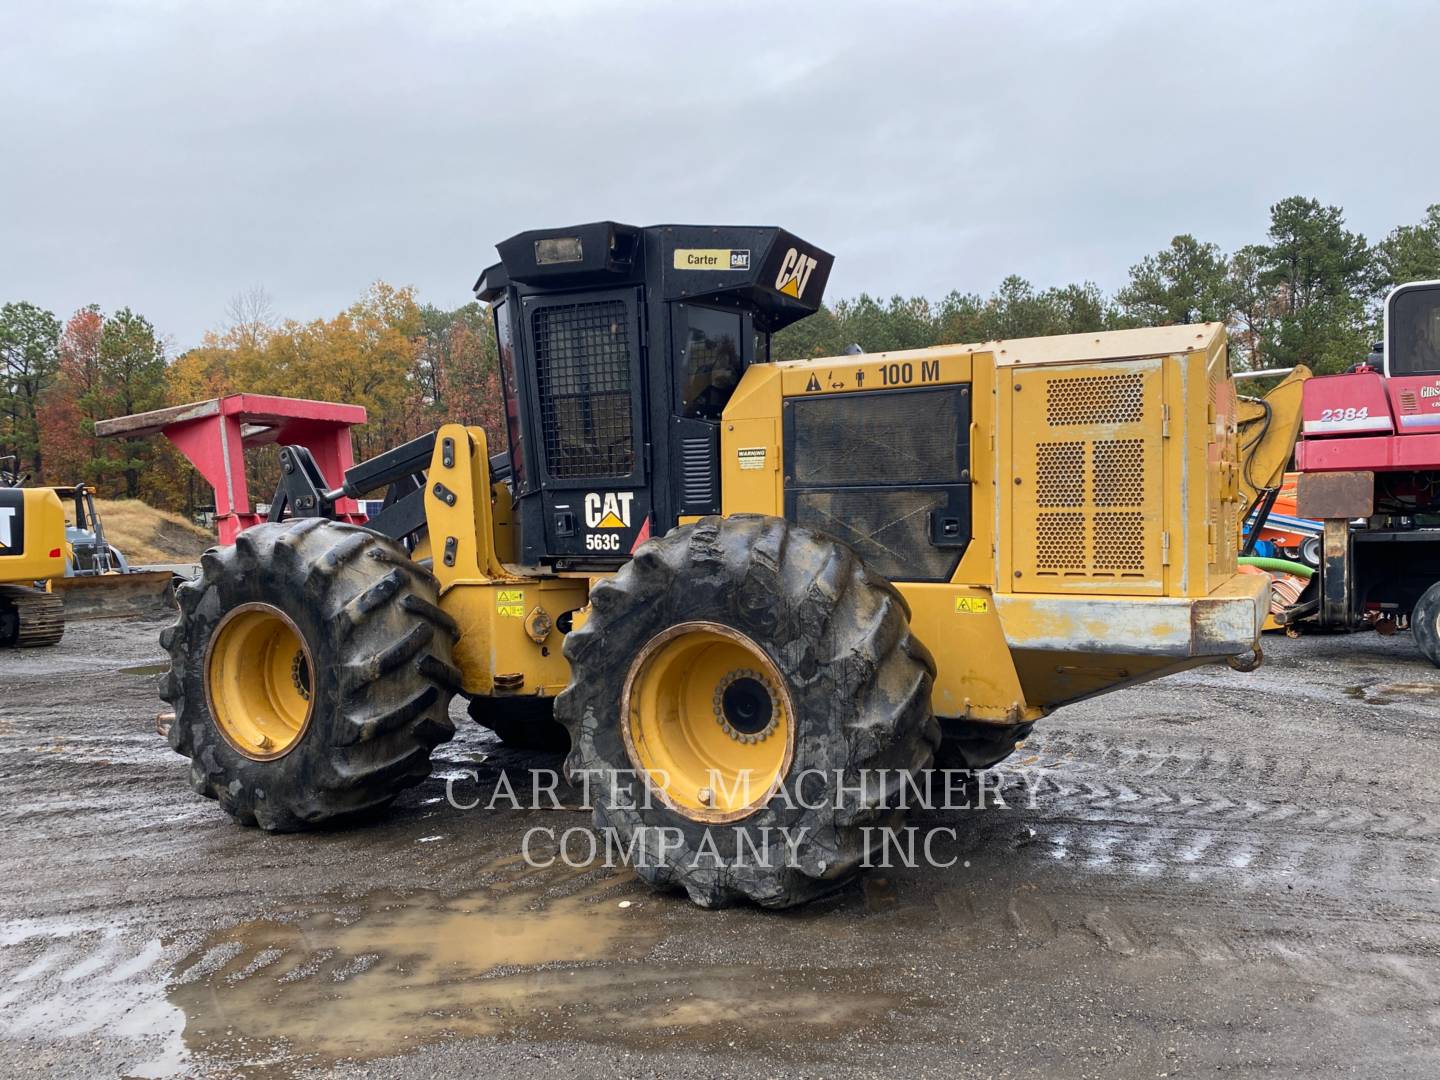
30, 618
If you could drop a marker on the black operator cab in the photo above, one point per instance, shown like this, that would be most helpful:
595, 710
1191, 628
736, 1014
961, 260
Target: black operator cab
619, 347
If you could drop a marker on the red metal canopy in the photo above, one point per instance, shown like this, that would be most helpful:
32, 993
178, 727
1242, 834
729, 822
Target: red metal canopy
214, 434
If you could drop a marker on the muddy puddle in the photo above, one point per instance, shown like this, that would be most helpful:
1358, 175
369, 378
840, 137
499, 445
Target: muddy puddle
1392, 693
394, 972
146, 669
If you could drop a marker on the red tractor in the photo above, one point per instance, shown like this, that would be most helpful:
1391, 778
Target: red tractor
1369, 463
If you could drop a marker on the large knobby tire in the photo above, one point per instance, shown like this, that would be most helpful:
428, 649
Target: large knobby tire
1425, 623
836, 638
379, 672
972, 745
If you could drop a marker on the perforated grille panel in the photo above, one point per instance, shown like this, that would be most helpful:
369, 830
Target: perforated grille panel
582, 362
1060, 541
1118, 475
1060, 474
1119, 542
1088, 496
1094, 399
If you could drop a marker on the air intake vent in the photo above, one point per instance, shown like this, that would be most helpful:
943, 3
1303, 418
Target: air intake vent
1060, 542
1118, 542
1409, 404
1118, 475
697, 471
1060, 474
582, 363
1088, 509
1095, 399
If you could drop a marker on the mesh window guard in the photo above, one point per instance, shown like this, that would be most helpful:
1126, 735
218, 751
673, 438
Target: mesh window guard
582, 362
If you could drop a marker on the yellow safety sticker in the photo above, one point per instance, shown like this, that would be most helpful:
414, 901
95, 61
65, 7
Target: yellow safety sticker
971, 605
510, 596
712, 259
511, 611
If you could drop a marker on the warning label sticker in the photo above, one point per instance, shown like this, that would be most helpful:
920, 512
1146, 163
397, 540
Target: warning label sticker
751, 457
971, 605
510, 603
712, 258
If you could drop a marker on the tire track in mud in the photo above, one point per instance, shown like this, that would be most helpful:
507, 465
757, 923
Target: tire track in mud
1369, 961
1213, 845
1149, 879
1291, 867
1157, 801
1155, 852
1297, 793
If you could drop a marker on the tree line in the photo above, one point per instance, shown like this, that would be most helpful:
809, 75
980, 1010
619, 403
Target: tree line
412, 365
1310, 292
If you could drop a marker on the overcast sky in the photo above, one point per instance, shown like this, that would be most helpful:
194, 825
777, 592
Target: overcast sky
167, 154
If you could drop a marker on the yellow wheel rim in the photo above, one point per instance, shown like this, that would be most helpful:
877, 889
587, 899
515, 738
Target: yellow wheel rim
708, 720
258, 676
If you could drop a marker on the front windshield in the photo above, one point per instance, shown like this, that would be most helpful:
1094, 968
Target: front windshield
1415, 331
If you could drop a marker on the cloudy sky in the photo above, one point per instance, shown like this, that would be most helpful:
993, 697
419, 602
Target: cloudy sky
168, 154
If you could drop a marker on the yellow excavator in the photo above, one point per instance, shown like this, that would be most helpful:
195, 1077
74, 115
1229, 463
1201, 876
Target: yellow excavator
32, 552
1267, 429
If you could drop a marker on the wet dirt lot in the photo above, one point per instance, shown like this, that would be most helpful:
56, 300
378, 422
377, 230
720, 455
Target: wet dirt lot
1221, 875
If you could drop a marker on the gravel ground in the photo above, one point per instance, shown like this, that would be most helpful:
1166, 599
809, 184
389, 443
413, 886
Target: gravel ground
1220, 875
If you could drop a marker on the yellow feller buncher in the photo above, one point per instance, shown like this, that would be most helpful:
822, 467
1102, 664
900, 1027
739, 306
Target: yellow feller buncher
735, 588
32, 552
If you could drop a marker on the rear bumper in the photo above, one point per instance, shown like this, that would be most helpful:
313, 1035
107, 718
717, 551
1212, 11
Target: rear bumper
1415, 450
1225, 623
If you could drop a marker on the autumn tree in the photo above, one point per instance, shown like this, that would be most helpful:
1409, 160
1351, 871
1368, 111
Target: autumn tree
29, 356
1305, 293
412, 367
458, 369
73, 404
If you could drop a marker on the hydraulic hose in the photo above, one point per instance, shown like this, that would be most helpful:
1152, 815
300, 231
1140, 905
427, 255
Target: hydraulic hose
1279, 566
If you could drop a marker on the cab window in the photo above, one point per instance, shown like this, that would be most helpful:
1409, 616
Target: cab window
514, 429
711, 362
1415, 332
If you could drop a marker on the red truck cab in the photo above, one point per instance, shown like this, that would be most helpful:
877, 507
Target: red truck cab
1369, 463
